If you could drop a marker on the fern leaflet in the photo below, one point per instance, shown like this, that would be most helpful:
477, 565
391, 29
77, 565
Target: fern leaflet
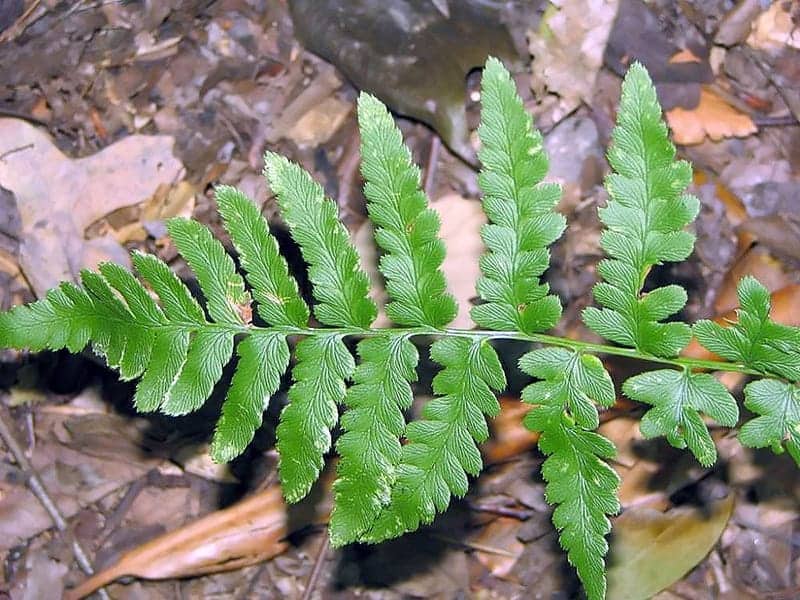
519, 207
645, 216
441, 449
580, 482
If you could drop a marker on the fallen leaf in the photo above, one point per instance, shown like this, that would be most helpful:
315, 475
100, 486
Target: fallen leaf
509, 437
651, 550
774, 29
712, 117
567, 52
318, 125
59, 198
497, 546
462, 220
756, 262
247, 533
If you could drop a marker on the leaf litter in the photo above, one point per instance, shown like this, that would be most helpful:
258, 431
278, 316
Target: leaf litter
218, 83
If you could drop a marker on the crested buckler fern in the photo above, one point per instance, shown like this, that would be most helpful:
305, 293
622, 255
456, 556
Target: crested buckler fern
392, 475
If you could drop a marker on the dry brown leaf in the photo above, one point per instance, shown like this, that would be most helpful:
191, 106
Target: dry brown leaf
320, 123
509, 437
462, 220
712, 117
497, 546
247, 533
568, 51
774, 29
59, 197
651, 550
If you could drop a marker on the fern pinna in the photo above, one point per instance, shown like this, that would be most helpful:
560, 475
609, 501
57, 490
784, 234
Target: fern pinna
394, 475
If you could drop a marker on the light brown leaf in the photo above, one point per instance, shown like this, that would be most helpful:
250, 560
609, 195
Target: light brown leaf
712, 117
247, 533
651, 550
59, 197
774, 29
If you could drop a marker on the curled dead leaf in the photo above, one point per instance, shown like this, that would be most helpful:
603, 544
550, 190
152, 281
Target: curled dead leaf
246, 533
712, 117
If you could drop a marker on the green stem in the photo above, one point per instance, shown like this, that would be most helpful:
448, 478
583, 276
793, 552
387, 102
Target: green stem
550, 340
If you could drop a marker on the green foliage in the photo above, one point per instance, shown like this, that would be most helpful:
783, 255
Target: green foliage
340, 286
520, 210
393, 477
579, 481
645, 216
407, 230
369, 448
677, 398
754, 340
757, 342
441, 449
778, 405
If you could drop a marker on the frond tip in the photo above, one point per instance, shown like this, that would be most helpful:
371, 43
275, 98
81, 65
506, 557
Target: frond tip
645, 219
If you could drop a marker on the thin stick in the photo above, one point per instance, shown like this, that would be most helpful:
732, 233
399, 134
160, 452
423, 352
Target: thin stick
37, 487
322, 553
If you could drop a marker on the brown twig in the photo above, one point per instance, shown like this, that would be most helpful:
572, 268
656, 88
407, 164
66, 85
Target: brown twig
38, 489
322, 553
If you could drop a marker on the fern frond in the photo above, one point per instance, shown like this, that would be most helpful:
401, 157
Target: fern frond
279, 301
340, 286
370, 447
441, 449
222, 286
754, 340
263, 358
778, 424
759, 343
522, 223
323, 364
678, 398
407, 230
579, 481
645, 217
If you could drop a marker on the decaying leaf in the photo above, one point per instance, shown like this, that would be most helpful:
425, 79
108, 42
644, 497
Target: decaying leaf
244, 534
774, 29
712, 117
59, 197
651, 550
567, 53
461, 226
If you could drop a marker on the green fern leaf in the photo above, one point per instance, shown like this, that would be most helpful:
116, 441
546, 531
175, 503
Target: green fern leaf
441, 449
778, 424
677, 398
340, 286
216, 273
176, 299
279, 301
754, 340
263, 358
209, 351
323, 365
645, 217
407, 230
580, 483
520, 210
65, 318
370, 447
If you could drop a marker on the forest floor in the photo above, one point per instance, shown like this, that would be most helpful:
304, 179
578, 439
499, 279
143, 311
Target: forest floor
119, 115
